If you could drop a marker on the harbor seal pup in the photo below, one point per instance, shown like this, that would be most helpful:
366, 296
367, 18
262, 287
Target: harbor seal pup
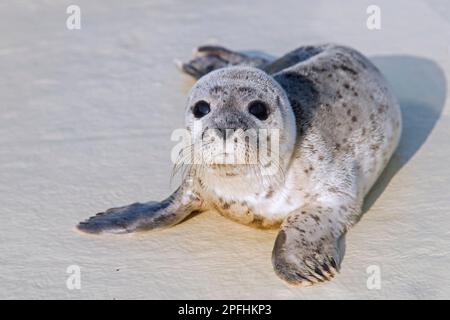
338, 124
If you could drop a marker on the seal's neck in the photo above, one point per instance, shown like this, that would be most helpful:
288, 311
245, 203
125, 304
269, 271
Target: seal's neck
240, 185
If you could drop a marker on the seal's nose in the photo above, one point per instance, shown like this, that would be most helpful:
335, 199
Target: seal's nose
221, 133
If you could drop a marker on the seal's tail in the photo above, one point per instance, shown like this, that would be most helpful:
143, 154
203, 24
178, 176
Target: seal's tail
209, 58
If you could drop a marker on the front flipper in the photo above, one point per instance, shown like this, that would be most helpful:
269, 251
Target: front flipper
309, 246
144, 216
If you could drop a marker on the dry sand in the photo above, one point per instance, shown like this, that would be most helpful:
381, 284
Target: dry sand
85, 124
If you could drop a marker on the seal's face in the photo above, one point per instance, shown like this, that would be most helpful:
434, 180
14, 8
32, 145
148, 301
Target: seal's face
240, 120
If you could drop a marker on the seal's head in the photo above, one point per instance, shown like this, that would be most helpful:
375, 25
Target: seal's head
240, 120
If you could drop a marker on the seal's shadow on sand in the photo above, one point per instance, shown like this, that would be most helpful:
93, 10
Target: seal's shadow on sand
420, 87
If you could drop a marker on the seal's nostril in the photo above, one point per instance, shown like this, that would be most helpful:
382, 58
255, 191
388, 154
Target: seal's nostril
221, 133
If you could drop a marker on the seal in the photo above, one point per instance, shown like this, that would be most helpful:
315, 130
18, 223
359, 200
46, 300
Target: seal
332, 123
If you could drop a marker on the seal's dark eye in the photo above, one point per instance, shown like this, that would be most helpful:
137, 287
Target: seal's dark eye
201, 109
259, 110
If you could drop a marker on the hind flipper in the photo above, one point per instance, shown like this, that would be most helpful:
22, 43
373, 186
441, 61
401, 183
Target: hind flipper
143, 216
